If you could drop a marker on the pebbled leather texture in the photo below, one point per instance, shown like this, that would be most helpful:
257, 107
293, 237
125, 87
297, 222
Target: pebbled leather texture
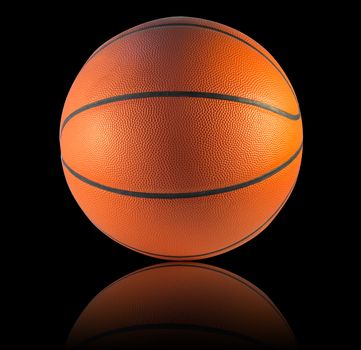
181, 144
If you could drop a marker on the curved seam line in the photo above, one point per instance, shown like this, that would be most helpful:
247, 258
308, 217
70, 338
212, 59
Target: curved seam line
183, 195
192, 94
120, 36
214, 251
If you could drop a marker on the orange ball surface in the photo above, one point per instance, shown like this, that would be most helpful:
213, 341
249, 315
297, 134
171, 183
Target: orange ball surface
181, 138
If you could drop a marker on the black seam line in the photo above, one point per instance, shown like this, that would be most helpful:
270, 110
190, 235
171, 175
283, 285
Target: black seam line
185, 194
196, 26
174, 326
255, 232
193, 94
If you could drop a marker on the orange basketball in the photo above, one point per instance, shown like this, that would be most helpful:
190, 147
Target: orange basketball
181, 138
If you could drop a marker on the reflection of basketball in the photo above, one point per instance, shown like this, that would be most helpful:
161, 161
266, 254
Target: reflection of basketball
181, 138
179, 306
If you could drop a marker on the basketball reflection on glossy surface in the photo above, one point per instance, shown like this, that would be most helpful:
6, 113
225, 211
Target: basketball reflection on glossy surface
181, 306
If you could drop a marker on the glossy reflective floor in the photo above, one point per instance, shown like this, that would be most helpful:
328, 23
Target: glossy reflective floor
181, 306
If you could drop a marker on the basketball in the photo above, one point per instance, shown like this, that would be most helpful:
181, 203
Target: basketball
181, 138
181, 306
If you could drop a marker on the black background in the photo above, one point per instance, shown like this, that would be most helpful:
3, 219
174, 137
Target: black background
287, 261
